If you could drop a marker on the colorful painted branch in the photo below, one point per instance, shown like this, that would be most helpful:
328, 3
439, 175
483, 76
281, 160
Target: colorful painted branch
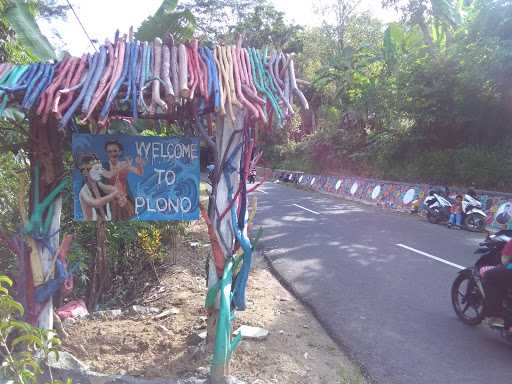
183, 71
218, 257
156, 100
35, 224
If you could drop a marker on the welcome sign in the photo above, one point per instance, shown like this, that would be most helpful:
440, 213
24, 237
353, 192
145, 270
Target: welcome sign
120, 177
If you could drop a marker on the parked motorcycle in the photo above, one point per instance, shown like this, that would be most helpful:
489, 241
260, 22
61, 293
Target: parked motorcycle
211, 173
473, 215
252, 176
467, 291
437, 207
438, 210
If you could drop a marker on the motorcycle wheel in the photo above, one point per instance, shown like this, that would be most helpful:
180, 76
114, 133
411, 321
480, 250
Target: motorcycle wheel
474, 222
467, 300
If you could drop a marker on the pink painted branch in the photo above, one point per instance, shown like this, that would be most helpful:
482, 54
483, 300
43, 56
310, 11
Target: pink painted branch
117, 72
70, 88
118, 64
238, 84
202, 70
183, 71
241, 62
174, 72
192, 78
165, 74
45, 104
252, 95
156, 100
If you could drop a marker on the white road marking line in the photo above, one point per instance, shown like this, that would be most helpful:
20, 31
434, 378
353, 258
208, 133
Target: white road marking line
431, 256
306, 209
259, 190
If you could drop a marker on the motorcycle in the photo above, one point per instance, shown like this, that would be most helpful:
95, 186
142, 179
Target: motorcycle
467, 292
437, 207
252, 176
474, 216
211, 173
438, 210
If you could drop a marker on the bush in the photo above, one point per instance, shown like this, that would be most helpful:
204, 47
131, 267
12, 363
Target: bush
132, 248
23, 348
486, 167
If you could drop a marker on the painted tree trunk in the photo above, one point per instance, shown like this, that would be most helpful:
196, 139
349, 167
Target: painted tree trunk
98, 268
46, 152
229, 136
45, 319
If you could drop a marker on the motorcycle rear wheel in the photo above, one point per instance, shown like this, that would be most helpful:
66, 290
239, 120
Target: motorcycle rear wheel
474, 223
465, 296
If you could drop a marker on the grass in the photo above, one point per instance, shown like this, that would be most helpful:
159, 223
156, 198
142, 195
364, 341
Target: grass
351, 375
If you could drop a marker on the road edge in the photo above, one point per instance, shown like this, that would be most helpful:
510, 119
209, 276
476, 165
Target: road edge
330, 333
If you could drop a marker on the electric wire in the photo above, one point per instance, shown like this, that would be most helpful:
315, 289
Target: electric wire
83, 28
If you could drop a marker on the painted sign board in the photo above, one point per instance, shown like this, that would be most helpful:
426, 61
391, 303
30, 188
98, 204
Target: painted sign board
123, 177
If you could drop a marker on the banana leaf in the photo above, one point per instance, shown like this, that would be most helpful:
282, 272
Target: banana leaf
27, 31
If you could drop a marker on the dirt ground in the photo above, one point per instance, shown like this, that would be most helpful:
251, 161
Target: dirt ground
297, 350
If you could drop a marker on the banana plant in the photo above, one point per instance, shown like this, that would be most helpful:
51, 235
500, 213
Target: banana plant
437, 19
20, 16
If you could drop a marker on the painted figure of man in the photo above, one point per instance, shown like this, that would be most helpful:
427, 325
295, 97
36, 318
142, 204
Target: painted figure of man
95, 196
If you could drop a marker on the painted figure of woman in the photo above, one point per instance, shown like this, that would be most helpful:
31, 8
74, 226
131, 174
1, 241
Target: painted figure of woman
116, 174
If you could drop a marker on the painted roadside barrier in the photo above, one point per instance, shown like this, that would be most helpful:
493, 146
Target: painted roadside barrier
397, 195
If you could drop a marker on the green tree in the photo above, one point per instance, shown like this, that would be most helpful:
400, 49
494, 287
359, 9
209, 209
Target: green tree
215, 18
265, 26
168, 19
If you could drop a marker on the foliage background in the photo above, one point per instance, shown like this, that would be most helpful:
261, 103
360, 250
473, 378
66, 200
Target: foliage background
426, 99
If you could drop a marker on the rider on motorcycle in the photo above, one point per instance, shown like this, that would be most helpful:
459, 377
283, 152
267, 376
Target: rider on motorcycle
497, 281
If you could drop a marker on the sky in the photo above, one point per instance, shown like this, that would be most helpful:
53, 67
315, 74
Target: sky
101, 18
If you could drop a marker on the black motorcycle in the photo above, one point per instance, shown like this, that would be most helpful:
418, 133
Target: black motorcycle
467, 290
437, 207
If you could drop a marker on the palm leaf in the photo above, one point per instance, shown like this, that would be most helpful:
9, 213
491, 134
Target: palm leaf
27, 31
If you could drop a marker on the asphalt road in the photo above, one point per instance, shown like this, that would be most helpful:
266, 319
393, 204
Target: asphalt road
388, 305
